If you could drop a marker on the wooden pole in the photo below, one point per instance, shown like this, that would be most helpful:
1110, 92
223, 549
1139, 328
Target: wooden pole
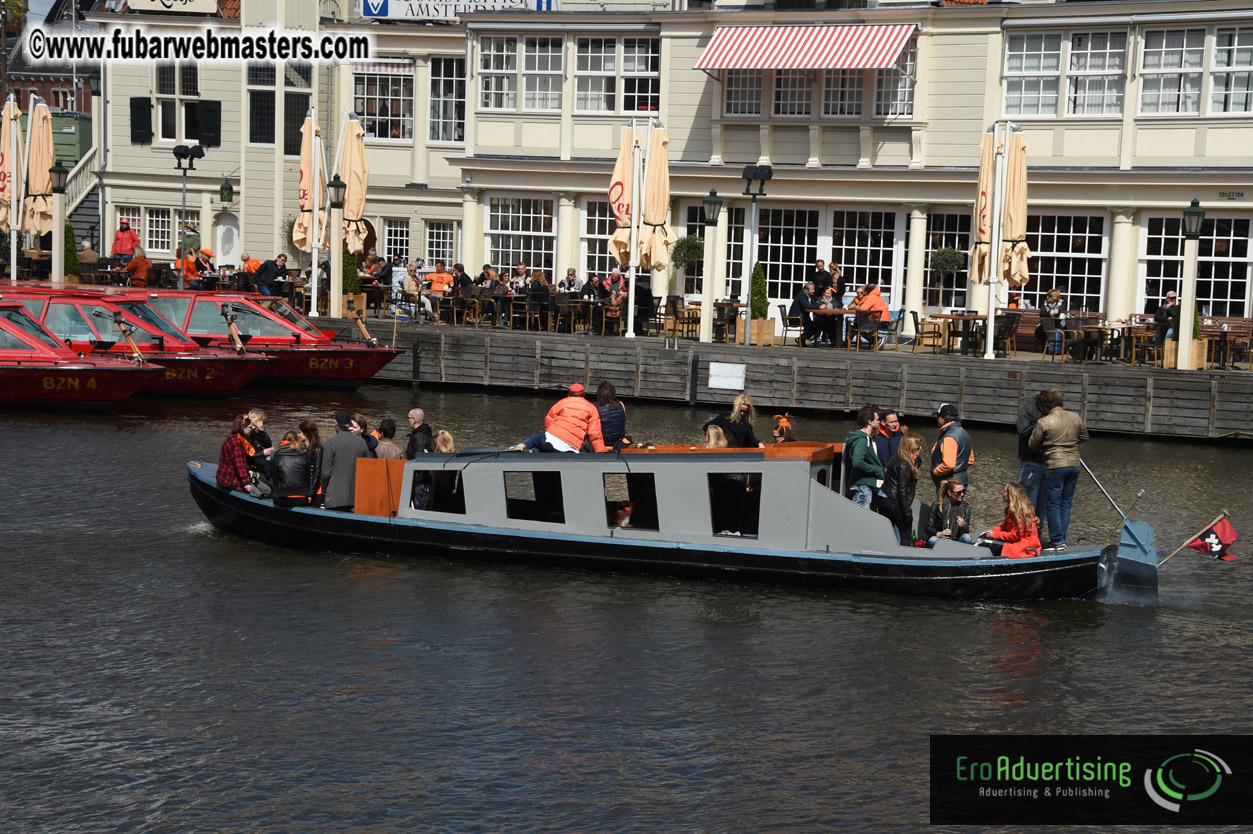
1194, 537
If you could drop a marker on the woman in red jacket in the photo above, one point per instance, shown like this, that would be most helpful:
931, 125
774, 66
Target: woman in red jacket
233, 472
1018, 536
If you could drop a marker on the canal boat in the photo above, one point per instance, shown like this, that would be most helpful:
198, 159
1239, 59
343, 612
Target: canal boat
258, 323
763, 515
36, 369
123, 325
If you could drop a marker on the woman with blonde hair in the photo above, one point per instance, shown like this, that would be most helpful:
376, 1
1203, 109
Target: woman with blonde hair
895, 499
714, 438
949, 517
1017, 537
442, 442
738, 424
137, 267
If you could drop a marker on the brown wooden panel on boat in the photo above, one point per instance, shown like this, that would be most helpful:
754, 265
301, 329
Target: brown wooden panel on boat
378, 487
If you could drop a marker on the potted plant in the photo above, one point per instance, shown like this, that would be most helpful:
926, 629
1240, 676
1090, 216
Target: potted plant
687, 252
1170, 357
71, 251
946, 261
762, 331
351, 285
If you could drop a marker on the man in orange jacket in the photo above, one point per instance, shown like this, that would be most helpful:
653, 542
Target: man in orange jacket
570, 422
872, 302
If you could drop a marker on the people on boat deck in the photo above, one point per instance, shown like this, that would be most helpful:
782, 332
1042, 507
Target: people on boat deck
361, 428
312, 438
388, 448
783, 427
339, 464
1057, 436
612, 416
420, 434
1015, 537
290, 477
1031, 468
895, 499
571, 422
714, 438
233, 472
952, 455
442, 443
865, 470
949, 517
260, 437
888, 440
737, 425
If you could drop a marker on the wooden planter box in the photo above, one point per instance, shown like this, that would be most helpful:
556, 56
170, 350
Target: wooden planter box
1170, 354
762, 332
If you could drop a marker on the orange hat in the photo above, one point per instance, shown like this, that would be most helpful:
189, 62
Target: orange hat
577, 389
208, 252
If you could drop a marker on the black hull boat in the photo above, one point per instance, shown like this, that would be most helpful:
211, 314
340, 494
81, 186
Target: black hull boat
587, 530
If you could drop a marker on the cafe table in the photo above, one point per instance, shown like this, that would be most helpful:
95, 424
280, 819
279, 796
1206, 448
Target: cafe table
966, 328
846, 317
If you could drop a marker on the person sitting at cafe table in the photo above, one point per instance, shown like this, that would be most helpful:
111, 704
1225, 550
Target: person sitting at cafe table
249, 264
203, 261
87, 255
1166, 317
125, 239
440, 279
831, 328
801, 306
410, 287
268, 273
1052, 308
137, 267
191, 275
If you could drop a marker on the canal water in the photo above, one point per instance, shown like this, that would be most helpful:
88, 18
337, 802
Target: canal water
158, 676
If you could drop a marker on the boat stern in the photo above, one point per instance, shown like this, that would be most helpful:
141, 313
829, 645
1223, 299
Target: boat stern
1131, 571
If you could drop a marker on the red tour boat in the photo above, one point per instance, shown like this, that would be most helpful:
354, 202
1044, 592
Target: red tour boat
123, 325
36, 369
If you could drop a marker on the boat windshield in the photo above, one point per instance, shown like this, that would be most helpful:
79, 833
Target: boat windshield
146, 314
280, 309
27, 325
102, 318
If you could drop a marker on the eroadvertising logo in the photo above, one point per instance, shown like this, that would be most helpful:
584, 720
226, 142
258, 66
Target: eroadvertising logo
1084, 780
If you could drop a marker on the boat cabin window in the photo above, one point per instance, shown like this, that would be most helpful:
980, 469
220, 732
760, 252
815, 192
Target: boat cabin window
734, 503
35, 305
445, 493
174, 309
24, 323
150, 316
68, 323
822, 477
280, 309
631, 500
10, 342
108, 330
206, 318
534, 496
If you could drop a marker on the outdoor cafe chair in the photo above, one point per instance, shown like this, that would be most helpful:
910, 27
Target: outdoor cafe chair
1057, 341
681, 320
892, 330
1005, 338
790, 323
866, 327
928, 330
562, 314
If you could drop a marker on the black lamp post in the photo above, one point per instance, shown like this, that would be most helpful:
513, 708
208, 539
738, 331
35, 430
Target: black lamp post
337, 187
761, 174
58, 175
182, 154
1193, 218
226, 193
713, 208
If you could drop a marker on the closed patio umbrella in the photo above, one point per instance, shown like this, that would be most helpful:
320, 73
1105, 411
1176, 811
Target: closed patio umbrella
10, 165
1014, 249
655, 236
981, 248
37, 216
357, 177
620, 196
302, 232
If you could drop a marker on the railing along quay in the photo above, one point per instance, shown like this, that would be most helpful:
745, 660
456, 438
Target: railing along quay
1111, 397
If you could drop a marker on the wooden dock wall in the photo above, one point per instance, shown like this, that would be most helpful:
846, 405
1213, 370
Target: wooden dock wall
1110, 397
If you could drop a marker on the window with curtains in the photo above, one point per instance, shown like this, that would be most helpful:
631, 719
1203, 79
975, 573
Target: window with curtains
1232, 76
448, 100
599, 75
598, 228
641, 75
1223, 268
543, 65
595, 75
382, 96
1091, 67
1069, 252
521, 229
1172, 69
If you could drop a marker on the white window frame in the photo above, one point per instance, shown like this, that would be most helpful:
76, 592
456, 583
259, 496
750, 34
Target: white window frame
742, 92
1114, 80
793, 94
1182, 71
524, 223
861, 269
633, 75
440, 242
180, 99
158, 229
947, 228
543, 73
1233, 70
896, 86
596, 228
1171, 239
595, 74
842, 93
396, 237
1080, 236
498, 73
384, 84
447, 91
1029, 72
799, 234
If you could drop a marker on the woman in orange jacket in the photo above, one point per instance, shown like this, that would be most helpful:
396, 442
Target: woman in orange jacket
1018, 536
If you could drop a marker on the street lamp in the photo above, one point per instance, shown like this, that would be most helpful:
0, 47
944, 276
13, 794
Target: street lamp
761, 174
226, 193
713, 208
336, 189
182, 154
1193, 218
58, 175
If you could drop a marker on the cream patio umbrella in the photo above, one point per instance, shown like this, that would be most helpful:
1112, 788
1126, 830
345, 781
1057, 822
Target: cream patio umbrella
312, 181
11, 177
1014, 250
981, 248
655, 236
37, 215
357, 176
621, 193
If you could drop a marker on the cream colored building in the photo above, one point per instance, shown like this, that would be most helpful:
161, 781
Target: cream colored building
1130, 109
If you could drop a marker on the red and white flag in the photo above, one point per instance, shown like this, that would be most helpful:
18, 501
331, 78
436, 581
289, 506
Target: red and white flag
1216, 540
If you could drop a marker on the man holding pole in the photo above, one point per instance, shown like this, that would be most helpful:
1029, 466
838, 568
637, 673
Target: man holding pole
1057, 436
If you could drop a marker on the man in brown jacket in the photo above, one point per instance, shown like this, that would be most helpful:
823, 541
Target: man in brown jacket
1057, 436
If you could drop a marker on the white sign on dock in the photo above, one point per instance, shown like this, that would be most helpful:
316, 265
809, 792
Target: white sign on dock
726, 375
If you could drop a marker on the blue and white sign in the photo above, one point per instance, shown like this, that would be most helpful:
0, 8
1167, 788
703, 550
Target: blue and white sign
448, 9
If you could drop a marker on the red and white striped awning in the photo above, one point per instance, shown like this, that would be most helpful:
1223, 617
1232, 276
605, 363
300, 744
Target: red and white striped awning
859, 46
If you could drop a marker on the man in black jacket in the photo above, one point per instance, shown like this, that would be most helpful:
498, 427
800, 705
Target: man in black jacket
419, 444
805, 301
268, 273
